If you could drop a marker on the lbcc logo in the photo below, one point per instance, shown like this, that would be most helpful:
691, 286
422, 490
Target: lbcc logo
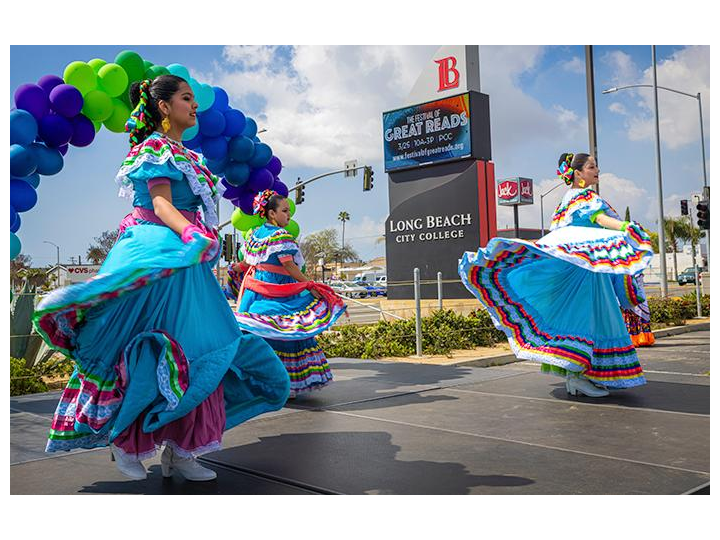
507, 190
448, 76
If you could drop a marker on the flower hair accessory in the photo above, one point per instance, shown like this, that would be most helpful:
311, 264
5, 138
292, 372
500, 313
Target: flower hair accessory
260, 202
139, 119
565, 171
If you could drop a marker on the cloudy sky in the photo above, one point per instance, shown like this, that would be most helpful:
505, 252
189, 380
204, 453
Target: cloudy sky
322, 105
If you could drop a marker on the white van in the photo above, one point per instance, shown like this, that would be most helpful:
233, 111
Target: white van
381, 280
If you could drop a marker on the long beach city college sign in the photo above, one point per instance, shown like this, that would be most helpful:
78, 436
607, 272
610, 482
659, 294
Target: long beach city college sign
441, 180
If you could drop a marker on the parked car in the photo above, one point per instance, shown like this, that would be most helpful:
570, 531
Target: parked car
381, 280
373, 289
688, 276
348, 289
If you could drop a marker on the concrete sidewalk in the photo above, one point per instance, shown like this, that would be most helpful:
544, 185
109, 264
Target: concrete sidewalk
413, 428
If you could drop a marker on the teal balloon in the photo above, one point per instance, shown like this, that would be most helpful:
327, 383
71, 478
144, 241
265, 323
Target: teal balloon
205, 98
190, 133
179, 71
15, 246
250, 129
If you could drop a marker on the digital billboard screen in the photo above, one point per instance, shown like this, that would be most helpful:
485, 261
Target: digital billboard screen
427, 133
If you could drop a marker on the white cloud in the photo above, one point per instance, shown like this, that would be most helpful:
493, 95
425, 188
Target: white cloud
575, 65
688, 70
624, 69
325, 105
618, 108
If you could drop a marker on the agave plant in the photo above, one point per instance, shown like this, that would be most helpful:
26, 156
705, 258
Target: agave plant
24, 341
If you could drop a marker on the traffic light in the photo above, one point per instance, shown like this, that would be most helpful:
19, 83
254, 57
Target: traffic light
703, 215
367, 178
684, 207
299, 194
228, 248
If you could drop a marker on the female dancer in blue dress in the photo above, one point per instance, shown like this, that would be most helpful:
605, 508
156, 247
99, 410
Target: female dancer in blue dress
278, 302
559, 299
159, 358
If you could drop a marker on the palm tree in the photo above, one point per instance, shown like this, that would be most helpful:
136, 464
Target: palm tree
687, 232
343, 216
673, 230
627, 213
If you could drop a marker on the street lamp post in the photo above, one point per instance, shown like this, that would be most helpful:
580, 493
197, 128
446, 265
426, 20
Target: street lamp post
542, 216
702, 132
58, 259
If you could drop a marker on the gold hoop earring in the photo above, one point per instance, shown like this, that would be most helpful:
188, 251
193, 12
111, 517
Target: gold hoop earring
166, 124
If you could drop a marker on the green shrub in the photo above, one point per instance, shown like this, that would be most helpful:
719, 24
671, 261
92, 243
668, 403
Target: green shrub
675, 311
442, 332
24, 380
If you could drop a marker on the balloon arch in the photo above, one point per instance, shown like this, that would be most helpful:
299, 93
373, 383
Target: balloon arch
59, 112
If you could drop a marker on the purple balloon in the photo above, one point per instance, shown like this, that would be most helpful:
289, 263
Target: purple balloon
55, 130
48, 82
280, 188
66, 100
83, 130
246, 202
260, 180
63, 149
33, 99
274, 166
232, 192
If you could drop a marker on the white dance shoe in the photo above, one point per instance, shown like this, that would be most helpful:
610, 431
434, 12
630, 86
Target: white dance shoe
188, 467
575, 383
129, 467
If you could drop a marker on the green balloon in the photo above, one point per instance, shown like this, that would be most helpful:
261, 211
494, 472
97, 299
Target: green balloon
96, 64
147, 64
98, 106
97, 125
81, 76
156, 71
242, 222
112, 80
247, 234
291, 203
132, 63
293, 228
118, 118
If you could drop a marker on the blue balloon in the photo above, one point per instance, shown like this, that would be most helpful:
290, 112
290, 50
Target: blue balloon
250, 129
13, 218
49, 160
234, 123
55, 130
241, 148
23, 161
22, 195
195, 142
23, 127
218, 166
261, 156
204, 96
16, 226
33, 179
214, 148
15, 246
212, 123
256, 139
221, 99
237, 173
180, 71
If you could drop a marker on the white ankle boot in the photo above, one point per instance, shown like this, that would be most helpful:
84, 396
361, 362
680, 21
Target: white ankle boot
577, 383
129, 467
188, 467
